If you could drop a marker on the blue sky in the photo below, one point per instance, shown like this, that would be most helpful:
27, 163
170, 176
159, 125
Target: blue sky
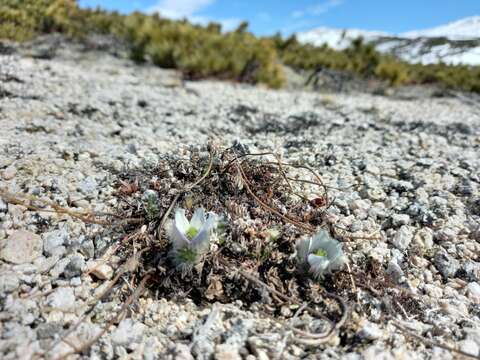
269, 16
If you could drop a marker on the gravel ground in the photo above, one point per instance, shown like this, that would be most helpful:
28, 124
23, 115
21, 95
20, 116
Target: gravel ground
65, 120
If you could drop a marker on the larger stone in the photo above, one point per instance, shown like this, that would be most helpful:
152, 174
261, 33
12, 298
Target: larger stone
88, 185
227, 352
473, 290
446, 264
128, 332
402, 237
21, 247
62, 299
8, 282
54, 241
75, 266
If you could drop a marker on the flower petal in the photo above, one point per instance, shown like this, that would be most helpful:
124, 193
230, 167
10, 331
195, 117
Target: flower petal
181, 221
177, 237
201, 242
338, 262
322, 235
303, 249
318, 264
198, 218
333, 248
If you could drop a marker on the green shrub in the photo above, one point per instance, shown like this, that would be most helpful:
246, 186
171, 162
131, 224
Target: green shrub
362, 59
396, 73
201, 52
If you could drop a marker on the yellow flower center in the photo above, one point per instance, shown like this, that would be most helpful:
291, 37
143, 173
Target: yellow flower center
191, 233
320, 252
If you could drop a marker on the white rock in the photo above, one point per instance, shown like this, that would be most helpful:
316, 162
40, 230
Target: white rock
469, 346
424, 238
9, 173
226, 352
8, 282
3, 206
395, 272
76, 281
128, 332
21, 247
370, 331
360, 204
54, 240
400, 219
377, 353
88, 185
375, 194
182, 352
62, 299
75, 266
402, 237
44, 264
101, 271
446, 234
473, 290
433, 291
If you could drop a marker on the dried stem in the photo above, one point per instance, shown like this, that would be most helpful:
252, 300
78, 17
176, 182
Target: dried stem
430, 342
310, 338
297, 223
88, 217
115, 319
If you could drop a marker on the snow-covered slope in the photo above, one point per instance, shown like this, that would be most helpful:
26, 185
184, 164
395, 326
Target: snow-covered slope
463, 29
338, 38
455, 43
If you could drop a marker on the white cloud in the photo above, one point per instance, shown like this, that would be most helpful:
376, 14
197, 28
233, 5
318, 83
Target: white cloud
179, 9
317, 10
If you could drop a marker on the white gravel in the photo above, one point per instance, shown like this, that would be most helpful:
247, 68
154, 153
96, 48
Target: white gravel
64, 121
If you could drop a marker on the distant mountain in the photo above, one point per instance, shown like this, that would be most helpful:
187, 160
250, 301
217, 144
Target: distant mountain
455, 43
463, 29
337, 38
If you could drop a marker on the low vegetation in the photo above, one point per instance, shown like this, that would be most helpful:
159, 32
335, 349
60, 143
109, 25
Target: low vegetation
206, 51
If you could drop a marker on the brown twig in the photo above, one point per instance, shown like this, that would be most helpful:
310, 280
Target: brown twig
238, 157
372, 236
124, 269
314, 173
430, 342
310, 338
89, 217
115, 319
297, 223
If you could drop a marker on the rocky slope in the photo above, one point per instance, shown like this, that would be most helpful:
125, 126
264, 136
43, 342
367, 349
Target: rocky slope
406, 169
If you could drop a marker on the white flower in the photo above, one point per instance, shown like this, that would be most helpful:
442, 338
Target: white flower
191, 239
321, 254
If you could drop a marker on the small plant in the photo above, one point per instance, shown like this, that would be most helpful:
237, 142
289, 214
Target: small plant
150, 204
191, 239
320, 254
